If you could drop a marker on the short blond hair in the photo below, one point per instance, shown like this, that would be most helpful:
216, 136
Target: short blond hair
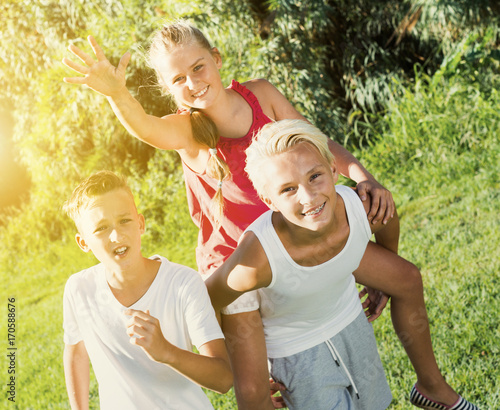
95, 185
276, 138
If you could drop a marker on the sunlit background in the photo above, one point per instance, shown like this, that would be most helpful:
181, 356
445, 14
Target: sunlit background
14, 181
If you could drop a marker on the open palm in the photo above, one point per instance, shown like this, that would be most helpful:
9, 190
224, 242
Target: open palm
100, 75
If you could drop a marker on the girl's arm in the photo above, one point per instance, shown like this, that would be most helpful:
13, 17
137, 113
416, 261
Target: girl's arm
209, 369
170, 132
386, 235
77, 375
276, 106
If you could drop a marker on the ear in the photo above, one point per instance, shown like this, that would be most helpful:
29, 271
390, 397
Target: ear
80, 240
335, 172
269, 203
217, 57
142, 223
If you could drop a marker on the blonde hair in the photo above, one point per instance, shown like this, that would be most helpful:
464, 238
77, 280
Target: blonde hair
276, 138
204, 129
95, 185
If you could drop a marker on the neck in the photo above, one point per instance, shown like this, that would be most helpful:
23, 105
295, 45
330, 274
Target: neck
129, 285
225, 107
298, 236
131, 276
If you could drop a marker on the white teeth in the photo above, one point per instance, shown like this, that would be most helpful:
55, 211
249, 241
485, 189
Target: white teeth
120, 251
315, 211
201, 92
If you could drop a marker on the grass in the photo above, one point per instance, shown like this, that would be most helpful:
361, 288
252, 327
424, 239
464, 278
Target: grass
437, 149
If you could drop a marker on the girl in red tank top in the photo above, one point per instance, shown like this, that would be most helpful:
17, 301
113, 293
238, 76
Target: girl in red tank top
211, 130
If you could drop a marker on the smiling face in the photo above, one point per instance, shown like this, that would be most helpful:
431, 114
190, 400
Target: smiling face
300, 184
191, 74
111, 228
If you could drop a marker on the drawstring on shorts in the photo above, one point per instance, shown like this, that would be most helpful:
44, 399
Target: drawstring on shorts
337, 358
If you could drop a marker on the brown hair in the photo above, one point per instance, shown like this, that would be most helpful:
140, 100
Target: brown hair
204, 129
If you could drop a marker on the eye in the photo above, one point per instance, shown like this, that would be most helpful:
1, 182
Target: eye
287, 190
125, 220
316, 175
100, 228
198, 67
178, 79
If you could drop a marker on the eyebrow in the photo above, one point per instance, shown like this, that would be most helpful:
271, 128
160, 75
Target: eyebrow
191, 66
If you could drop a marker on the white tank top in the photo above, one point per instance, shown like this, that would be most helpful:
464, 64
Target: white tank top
304, 306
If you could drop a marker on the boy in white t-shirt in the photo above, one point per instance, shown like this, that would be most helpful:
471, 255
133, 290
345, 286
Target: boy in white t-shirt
304, 256
136, 318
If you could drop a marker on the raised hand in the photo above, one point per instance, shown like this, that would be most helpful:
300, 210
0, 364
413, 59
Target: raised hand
100, 75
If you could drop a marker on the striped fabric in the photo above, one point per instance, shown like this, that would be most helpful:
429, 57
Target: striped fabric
419, 400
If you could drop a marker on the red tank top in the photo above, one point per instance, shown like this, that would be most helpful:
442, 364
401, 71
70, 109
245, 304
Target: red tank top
242, 204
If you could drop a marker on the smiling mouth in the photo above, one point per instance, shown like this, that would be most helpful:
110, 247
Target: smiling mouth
201, 93
315, 211
120, 251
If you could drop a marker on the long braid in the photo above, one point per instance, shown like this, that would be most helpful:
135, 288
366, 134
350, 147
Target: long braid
205, 132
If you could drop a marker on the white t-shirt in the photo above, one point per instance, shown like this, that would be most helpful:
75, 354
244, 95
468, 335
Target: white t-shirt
127, 378
304, 306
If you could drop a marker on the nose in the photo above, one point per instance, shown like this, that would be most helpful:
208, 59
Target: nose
115, 235
306, 195
190, 82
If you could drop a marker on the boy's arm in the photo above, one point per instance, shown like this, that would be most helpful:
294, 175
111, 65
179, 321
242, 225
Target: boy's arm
246, 269
77, 375
169, 132
209, 369
277, 106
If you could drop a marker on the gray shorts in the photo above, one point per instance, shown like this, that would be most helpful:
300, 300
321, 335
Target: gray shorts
315, 381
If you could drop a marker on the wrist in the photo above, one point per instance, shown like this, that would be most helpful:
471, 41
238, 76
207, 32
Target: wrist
358, 174
119, 94
168, 354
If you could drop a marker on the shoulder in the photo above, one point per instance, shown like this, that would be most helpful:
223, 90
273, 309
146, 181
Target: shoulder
264, 90
274, 104
267, 95
260, 224
250, 262
175, 272
178, 281
356, 208
83, 278
367, 203
259, 85
353, 202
